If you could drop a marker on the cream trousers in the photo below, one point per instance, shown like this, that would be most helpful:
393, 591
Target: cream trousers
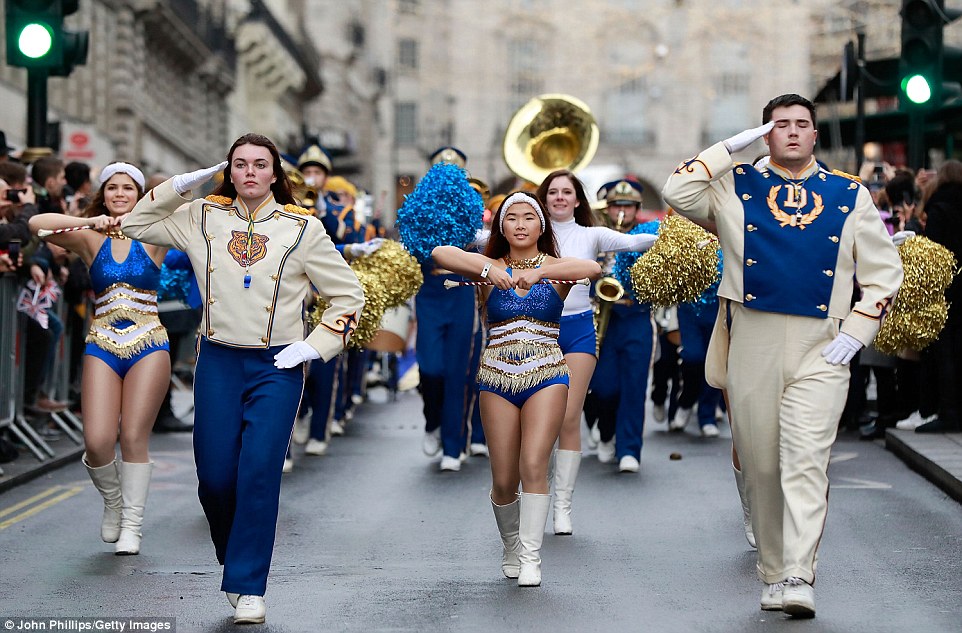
786, 401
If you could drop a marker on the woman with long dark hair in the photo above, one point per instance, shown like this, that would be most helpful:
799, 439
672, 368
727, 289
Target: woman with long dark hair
256, 255
523, 375
126, 367
563, 195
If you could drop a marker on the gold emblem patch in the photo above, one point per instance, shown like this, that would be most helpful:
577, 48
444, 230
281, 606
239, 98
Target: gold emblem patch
793, 219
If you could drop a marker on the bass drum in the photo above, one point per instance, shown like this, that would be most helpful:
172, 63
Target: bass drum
393, 333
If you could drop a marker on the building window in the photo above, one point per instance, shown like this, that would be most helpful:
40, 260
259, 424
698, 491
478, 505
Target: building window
406, 123
525, 76
408, 6
407, 54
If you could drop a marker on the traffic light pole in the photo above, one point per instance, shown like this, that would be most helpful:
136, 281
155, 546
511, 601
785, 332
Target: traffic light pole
37, 107
916, 155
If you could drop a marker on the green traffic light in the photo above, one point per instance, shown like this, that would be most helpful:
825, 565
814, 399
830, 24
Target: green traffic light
35, 40
917, 89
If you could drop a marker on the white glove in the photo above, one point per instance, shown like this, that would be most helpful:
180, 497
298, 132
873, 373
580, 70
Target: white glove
366, 248
186, 182
841, 350
295, 354
902, 236
743, 139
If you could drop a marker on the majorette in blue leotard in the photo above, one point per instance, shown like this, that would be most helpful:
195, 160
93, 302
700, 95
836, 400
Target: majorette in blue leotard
523, 355
125, 326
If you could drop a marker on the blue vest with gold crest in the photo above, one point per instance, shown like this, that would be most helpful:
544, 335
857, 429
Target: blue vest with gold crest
792, 233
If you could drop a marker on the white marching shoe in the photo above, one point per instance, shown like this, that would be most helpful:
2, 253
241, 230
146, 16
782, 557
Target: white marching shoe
134, 483
681, 419
534, 516
250, 610
566, 466
508, 518
107, 482
746, 507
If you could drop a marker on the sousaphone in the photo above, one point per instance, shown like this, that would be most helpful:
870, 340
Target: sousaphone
550, 132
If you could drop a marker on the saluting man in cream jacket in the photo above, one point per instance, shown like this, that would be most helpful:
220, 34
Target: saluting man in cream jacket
255, 254
794, 236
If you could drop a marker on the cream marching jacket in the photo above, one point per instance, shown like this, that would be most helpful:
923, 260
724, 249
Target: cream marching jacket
793, 245
289, 252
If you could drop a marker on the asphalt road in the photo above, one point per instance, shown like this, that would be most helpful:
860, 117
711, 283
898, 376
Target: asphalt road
372, 537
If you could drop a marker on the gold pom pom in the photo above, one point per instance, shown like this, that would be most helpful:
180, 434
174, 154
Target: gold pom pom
223, 201
389, 277
911, 329
920, 310
396, 268
681, 265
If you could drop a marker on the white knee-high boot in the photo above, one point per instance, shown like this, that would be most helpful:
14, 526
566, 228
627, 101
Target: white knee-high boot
746, 507
508, 517
107, 481
134, 483
534, 516
566, 465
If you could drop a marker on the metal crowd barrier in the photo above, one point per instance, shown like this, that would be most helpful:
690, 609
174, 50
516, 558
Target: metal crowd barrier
13, 352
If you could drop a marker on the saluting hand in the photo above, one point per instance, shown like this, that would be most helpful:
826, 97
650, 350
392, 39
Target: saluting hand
187, 182
743, 139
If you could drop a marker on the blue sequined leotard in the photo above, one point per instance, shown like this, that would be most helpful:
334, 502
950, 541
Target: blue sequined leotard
125, 326
523, 355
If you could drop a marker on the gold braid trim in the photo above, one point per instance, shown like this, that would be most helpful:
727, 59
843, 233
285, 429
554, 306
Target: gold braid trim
519, 349
518, 382
124, 313
120, 284
223, 201
293, 208
156, 336
523, 318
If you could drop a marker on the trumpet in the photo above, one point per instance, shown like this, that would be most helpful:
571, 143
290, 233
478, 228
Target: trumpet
305, 194
608, 290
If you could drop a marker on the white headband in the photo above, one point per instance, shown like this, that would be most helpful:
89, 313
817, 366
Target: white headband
123, 168
520, 198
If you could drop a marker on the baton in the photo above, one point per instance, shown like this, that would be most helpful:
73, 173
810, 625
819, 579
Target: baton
47, 232
448, 284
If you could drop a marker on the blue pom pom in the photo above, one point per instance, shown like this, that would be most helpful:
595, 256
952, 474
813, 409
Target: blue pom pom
174, 284
443, 210
625, 260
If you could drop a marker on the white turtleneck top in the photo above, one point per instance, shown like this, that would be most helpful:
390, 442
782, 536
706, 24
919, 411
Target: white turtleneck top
586, 242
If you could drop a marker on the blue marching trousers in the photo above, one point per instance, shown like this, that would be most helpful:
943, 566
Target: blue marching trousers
620, 381
243, 417
446, 322
321, 389
695, 323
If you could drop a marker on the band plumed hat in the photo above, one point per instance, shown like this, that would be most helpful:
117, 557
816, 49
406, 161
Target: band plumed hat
314, 155
618, 192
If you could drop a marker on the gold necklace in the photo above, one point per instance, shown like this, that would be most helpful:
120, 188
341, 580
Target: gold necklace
116, 235
523, 264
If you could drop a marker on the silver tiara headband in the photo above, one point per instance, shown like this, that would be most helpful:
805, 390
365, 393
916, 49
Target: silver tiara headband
520, 198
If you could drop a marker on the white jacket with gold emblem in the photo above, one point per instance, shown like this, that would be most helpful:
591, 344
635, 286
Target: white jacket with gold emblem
290, 251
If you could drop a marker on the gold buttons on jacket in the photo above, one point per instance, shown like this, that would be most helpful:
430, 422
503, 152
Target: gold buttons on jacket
269, 308
749, 262
210, 301
210, 332
823, 307
264, 340
749, 297
828, 273
274, 277
844, 209
834, 238
739, 170
746, 196
751, 227
210, 269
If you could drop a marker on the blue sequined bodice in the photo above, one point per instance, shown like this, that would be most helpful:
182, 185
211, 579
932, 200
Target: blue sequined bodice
138, 270
541, 303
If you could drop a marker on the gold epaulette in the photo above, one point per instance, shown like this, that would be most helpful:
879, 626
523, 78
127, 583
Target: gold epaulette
293, 208
839, 172
223, 201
